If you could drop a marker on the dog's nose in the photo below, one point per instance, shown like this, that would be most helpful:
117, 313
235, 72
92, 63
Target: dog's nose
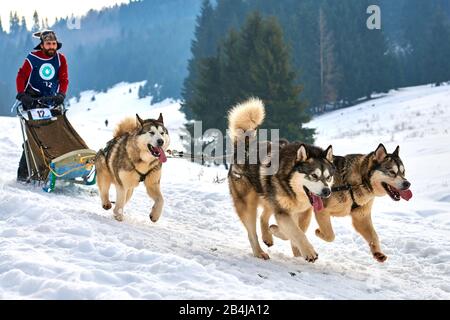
326, 192
160, 142
406, 184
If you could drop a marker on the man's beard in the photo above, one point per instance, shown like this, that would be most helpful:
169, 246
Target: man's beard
50, 52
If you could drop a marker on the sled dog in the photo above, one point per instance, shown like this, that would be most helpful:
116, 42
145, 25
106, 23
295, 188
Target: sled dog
134, 155
303, 178
358, 180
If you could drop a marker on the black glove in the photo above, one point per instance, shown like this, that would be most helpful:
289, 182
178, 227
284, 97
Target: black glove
27, 100
59, 98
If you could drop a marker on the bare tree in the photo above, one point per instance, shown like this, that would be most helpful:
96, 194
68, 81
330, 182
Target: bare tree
328, 70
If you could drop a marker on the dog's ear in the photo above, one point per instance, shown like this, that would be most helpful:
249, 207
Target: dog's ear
139, 121
160, 119
397, 151
329, 153
302, 154
283, 142
380, 153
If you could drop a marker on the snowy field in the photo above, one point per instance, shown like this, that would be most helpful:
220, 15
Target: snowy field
65, 246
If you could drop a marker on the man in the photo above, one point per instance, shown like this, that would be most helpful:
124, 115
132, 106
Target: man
43, 74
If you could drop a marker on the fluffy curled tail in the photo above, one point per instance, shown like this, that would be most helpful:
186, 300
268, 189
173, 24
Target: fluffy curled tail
245, 116
127, 125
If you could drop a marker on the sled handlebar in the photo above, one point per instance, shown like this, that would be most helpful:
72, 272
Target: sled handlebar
49, 98
45, 100
41, 100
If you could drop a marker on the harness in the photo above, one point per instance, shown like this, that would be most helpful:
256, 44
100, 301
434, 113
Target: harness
348, 187
142, 176
106, 152
108, 147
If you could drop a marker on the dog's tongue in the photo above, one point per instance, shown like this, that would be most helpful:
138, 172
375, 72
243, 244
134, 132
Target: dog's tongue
406, 194
317, 203
162, 155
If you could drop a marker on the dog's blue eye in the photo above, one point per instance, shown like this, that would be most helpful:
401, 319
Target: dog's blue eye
314, 176
152, 133
392, 172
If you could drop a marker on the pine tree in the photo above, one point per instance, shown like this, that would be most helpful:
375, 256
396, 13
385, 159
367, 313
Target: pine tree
416, 29
229, 14
374, 62
14, 25
300, 22
438, 51
251, 62
425, 33
44, 23
23, 25
272, 77
207, 104
202, 46
36, 27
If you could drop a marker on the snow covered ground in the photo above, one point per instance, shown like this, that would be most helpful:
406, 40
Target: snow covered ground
65, 246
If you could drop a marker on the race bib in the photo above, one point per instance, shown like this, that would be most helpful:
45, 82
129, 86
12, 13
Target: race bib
40, 114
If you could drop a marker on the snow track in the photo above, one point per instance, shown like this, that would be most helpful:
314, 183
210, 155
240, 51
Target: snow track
65, 246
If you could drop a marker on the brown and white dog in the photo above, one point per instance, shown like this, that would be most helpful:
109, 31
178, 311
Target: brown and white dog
134, 155
303, 178
358, 180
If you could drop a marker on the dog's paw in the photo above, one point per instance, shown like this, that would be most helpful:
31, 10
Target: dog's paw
262, 255
118, 214
268, 243
309, 254
154, 218
107, 206
267, 239
380, 257
155, 213
312, 257
325, 237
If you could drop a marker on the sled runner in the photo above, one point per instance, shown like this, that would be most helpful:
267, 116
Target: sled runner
53, 149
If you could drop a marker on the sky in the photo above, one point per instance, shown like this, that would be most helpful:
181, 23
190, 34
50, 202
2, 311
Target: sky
50, 8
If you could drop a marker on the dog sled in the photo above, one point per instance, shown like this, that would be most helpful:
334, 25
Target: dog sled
53, 149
